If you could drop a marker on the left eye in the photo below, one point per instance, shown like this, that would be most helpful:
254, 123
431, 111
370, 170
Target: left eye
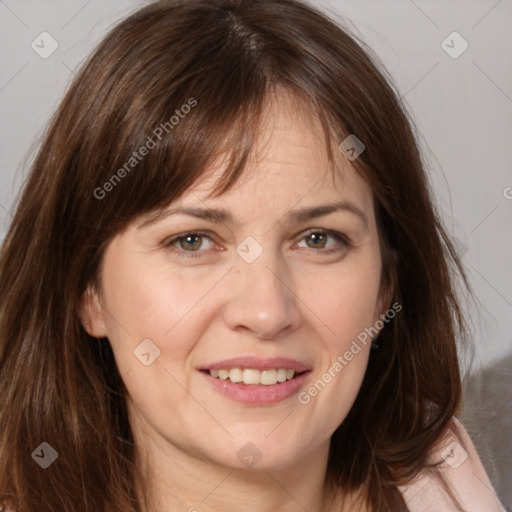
319, 239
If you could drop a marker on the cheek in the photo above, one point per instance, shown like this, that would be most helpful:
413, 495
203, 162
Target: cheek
163, 307
345, 309
346, 302
154, 302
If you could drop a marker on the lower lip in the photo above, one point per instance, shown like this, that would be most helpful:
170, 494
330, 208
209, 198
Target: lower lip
252, 394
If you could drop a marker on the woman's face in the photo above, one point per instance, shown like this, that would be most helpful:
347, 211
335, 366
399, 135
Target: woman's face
255, 286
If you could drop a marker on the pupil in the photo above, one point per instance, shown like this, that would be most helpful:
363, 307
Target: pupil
191, 242
317, 238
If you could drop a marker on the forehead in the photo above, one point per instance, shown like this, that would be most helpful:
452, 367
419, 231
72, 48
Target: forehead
289, 160
288, 171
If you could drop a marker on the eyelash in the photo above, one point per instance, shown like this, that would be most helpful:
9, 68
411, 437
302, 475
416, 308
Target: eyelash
345, 242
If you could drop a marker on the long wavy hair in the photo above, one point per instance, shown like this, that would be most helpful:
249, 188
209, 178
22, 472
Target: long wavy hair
222, 58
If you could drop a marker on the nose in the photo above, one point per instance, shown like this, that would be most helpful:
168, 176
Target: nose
261, 300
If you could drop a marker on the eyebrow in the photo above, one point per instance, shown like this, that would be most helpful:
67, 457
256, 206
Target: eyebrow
222, 216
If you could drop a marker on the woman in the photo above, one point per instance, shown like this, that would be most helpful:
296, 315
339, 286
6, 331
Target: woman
226, 285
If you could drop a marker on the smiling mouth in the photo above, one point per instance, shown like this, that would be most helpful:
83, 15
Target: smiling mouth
251, 376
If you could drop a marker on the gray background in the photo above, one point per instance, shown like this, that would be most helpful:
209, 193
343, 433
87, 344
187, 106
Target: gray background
461, 106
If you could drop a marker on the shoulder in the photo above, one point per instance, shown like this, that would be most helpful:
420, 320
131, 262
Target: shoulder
463, 472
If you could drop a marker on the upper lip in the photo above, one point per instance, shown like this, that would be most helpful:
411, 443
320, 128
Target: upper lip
258, 364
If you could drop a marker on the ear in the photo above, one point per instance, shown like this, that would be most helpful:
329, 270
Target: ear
90, 313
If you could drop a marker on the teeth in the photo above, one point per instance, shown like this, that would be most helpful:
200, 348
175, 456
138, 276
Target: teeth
236, 375
268, 377
252, 376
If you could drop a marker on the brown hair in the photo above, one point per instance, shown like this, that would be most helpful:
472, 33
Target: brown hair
222, 58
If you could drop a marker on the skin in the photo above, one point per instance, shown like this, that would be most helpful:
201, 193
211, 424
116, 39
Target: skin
294, 301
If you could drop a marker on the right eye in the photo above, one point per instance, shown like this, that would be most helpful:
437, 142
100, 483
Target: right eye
189, 243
